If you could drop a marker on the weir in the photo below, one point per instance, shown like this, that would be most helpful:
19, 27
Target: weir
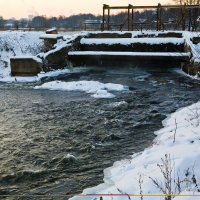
101, 48
94, 49
175, 47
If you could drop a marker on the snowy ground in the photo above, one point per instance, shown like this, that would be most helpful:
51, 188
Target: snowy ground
17, 43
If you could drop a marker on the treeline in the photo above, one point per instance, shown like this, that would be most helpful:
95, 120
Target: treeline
171, 18
37, 22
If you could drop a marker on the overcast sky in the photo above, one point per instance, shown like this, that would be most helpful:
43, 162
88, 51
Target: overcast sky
25, 8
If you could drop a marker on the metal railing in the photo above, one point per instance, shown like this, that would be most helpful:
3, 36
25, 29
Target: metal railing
184, 20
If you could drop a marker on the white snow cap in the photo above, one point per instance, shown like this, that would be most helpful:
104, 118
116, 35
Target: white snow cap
97, 89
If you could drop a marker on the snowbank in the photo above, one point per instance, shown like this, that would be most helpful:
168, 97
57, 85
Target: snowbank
64, 43
177, 147
97, 89
51, 36
20, 79
35, 58
17, 43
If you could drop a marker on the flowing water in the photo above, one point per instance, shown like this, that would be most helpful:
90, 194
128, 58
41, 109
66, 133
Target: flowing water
57, 143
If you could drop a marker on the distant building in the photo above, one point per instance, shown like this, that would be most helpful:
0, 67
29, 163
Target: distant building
92, 24
9, 24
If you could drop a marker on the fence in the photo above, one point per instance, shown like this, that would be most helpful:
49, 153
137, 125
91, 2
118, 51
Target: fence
187, 19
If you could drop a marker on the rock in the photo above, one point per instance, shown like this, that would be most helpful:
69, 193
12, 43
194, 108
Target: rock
195, 40
122, 105
86, 148
111, 137
66, 160
50, 40
192, 69
56, 59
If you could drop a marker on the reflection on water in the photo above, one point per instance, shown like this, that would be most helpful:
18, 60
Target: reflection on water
54, 142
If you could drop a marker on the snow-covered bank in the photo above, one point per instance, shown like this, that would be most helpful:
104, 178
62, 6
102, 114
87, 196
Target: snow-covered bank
23, 44
30, 79
97, 89
175, 151
17, 43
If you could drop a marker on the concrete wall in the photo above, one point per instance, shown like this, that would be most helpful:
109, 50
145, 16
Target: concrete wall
25, 67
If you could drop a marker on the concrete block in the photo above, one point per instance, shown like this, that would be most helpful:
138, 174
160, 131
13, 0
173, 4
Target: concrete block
25, 66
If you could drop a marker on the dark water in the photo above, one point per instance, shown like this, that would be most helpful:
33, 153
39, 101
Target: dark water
58, 143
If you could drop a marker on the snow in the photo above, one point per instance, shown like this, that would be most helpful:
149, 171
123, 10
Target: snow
17, 44
179, 71
95, 88
10, 79
166, 54
194, 48
65, 43
51, 29
129, 41
20, 79
27, 57
51, 36
179, 140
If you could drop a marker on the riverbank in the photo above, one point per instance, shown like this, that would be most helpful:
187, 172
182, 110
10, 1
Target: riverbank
173, 159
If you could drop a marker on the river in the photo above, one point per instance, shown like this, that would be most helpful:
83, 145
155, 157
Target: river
54, 144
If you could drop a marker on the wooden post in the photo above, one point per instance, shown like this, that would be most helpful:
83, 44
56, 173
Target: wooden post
128, 18
132, 26
159, 8
108, 22
189, 19
159, 17
183, 17
103, 19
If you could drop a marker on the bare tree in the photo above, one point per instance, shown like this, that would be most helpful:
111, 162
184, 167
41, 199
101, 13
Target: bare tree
187, 2
166, 169
1, 22
193, 13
